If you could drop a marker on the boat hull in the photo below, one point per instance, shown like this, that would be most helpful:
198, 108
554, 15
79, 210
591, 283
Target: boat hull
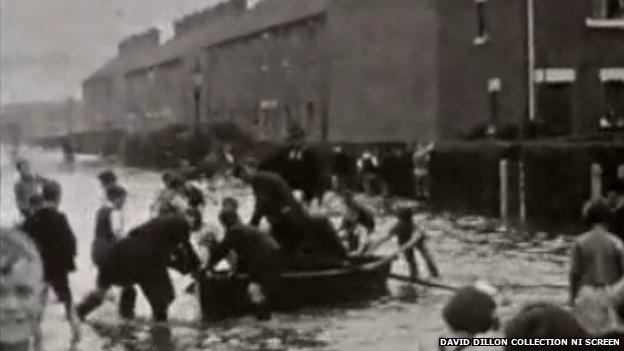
223, 297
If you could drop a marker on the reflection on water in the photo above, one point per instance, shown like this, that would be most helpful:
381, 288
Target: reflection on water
406, 293
242, 334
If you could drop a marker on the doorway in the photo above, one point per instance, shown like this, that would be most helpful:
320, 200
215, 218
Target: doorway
555, 108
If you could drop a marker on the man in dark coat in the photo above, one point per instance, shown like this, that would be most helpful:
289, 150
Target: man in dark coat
142, 258
53, 236
258, 255
321, 247
275, 202
343, 169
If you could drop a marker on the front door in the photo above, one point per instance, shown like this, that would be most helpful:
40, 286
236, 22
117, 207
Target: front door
555, 108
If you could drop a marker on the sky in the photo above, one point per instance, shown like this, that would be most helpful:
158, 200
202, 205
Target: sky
47, 47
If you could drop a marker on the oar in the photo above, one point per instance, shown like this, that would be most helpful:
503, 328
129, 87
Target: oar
422, 282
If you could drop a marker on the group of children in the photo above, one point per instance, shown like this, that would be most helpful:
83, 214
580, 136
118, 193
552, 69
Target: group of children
596, 274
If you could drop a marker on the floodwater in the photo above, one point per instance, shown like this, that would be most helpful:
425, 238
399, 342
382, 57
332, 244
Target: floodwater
408, 319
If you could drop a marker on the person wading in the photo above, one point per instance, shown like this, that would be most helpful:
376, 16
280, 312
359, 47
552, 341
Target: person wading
142, 258
275, 202
258, 255
51, 232
597, 264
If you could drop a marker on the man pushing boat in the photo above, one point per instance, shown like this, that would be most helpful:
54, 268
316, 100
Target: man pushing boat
297, 233
258, 256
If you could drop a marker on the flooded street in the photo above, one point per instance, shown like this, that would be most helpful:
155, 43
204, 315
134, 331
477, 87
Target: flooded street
524, 271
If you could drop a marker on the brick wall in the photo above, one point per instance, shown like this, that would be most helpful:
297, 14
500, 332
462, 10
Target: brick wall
383, 83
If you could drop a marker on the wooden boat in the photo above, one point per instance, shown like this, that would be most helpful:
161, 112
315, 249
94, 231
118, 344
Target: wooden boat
364, 279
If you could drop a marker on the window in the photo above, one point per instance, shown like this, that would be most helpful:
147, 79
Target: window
614, 103
482, 36
606, 14
614, 8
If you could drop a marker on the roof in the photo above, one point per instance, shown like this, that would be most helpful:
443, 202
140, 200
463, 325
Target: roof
265, 15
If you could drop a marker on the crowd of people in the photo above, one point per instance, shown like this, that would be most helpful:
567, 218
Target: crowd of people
40, 254
139, 257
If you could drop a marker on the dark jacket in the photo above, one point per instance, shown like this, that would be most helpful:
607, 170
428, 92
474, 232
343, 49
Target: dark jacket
257, 251
146, 250
403, 231
273, 196
55, 240
343, 164
322, 241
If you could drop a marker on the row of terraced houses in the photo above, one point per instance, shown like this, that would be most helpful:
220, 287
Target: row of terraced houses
344, 70
365, 71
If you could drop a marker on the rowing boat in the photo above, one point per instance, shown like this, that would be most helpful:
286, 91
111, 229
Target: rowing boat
363, 279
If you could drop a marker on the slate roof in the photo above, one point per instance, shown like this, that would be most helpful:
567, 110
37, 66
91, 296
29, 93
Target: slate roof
266, 14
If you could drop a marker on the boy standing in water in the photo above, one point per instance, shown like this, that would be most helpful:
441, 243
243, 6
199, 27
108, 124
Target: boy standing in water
356, 215
404, 230
597, 265
53, 236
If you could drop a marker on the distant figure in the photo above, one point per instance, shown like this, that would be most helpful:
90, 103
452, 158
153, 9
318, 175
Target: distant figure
227, 159
422, 157
109, 229
51, 232
471, 312
27, 189
368, 168
404, 231
21, 284
258, 254
343, 169
597, 263
356, 215
68, 150
543, 321
393, 172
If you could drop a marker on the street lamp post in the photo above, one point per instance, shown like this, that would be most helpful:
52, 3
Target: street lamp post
197, 77
198, 81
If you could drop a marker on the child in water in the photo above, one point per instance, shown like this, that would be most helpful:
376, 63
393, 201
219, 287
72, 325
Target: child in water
21, 288
358, 223
205, 236
49, 228
405, 230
